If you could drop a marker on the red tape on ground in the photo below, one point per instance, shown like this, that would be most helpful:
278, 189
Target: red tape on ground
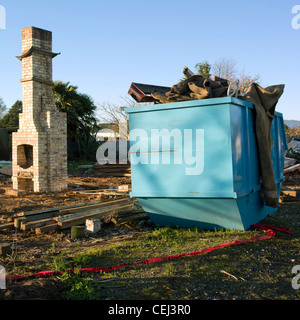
269, 234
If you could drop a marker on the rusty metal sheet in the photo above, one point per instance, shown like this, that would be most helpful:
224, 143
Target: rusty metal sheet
141, 92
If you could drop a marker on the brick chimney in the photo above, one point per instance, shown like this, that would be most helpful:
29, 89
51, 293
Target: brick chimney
39, 147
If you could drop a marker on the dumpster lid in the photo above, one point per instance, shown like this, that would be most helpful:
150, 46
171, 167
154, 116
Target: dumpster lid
190, 104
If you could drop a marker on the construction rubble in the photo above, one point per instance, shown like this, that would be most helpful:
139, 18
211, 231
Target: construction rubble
116, 207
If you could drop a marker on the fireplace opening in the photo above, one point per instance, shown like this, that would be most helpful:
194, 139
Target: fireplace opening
25, 156
25, 184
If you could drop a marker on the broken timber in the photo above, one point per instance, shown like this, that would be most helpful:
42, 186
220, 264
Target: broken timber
289, 195
65, 217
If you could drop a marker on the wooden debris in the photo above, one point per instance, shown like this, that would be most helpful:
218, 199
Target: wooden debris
289, 195
5, 249
114, 170
17, 222
35, 224
83, 186
47, 228
231, 275
60, 218
4, 226
15, 193
288, 162
100, 213
291, 192
292, 168
129, 218
55, 209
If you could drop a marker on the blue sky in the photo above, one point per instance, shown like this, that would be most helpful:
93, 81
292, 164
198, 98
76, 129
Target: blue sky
106, 45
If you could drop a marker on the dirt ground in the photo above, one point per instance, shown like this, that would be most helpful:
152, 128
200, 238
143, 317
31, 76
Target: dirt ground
31, 249
34, 201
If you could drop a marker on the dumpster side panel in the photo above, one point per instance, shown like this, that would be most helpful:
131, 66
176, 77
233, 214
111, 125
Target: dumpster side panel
250, 200
279, 146
182, 153
191, 212
252, 209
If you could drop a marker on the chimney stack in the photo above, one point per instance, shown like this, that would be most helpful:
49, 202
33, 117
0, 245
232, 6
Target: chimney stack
40, 144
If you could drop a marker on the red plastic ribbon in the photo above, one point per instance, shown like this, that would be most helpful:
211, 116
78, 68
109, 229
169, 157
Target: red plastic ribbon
269, 234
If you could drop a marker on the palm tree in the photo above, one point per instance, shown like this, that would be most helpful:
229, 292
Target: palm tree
79, 107
81, 120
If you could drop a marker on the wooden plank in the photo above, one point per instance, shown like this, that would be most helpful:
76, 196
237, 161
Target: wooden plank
100, 214
292, 168
33, 212
284, 199
84, 186
90, 211
41, 216
124, 192
100, 205
35, 224
114, 174
47, 228
289, 162
291, 193
129, 218
8, 225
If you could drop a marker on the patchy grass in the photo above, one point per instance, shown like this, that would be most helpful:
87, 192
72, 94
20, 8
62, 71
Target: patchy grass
254, 271
259, 270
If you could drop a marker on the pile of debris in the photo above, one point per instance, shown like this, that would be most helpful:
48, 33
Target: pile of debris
291, 165
118, 208
294, 145
292, 177
289, 194
194, 87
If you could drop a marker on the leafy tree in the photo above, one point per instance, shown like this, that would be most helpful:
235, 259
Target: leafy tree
2, 108
203, 68
11, 119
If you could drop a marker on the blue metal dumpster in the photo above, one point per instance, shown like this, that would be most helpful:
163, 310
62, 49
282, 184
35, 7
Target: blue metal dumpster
195, 163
